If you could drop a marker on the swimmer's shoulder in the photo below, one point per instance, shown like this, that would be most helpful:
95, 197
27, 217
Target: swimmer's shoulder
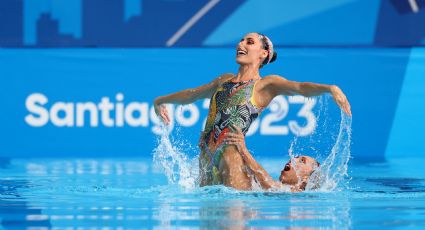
224, 77
273, 77
269, 79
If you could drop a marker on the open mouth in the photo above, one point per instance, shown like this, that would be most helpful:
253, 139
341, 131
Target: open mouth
287, 167
240, 52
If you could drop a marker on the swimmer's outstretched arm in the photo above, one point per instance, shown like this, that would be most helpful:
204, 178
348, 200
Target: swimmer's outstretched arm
277, 85
186, 97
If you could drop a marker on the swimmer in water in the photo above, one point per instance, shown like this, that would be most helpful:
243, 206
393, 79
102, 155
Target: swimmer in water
239, 99
295, 176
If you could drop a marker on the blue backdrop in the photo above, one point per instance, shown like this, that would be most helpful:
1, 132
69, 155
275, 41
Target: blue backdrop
98, 102
78, 100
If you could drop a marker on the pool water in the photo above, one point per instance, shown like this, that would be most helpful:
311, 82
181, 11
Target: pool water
134, 193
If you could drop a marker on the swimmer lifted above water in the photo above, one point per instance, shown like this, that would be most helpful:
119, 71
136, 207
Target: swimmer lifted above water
239, 99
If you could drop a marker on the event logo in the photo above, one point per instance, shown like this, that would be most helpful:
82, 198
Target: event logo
140, 114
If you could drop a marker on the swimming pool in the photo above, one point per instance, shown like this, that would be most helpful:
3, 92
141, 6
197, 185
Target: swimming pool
133, 193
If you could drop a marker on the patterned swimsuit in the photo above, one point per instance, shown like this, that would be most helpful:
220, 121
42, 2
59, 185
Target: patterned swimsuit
232, 103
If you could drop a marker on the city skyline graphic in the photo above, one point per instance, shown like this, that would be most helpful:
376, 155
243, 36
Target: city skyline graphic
209, 23
82, 23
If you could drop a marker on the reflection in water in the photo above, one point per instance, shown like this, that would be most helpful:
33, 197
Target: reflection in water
229, 214
85, 166
219, 209
306, 213
132, 197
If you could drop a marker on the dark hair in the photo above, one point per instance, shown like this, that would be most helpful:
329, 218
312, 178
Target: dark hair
272, 60
263, 40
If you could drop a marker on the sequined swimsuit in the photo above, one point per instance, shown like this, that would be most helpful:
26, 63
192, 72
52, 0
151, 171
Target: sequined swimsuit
232, 103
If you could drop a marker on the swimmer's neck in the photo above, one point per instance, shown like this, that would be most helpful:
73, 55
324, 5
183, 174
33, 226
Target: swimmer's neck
247, 72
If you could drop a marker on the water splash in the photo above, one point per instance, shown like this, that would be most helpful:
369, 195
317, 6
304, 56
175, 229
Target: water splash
334, 169
182, 170
333, 151
176, 164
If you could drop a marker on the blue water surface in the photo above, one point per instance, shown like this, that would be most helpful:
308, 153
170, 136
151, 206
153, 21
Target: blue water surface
133, 193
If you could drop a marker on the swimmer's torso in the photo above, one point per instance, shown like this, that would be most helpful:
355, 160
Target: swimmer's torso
232, 103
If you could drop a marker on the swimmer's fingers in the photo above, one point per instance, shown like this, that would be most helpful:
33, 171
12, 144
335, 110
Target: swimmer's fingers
236, 139
235, 128
164, 114
343, 103
238, 136
232, 141
347, 108
236, 142
233, 138
164, 118
341, 100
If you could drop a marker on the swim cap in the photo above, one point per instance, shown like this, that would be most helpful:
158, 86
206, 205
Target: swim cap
268, 45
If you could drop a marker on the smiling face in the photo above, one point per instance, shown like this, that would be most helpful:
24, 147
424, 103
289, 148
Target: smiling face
302, 169
250, 50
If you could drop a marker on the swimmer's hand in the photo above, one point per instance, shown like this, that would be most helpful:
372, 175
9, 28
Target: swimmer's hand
161, 111
340, 99
236, 138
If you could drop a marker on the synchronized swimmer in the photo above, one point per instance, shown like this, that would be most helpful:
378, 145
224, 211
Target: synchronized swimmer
236, 101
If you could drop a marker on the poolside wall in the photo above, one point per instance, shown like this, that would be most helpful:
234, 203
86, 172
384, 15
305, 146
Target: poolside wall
371, 49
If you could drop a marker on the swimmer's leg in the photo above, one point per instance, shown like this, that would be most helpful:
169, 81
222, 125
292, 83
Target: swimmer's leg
233, 171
